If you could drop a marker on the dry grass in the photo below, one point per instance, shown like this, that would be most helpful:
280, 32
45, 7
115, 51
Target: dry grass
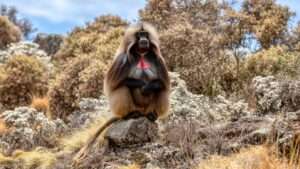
78, 139
197, 57
23, 78
274, 61
257, 157
28, 160
3, 127
98, 39
45, 159
81, 78
41, 104
31, 159
133, 166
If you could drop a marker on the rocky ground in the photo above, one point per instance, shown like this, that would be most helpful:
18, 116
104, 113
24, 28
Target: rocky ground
196, 128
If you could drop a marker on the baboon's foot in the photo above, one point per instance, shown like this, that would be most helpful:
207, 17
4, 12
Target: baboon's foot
133, 115
152, 116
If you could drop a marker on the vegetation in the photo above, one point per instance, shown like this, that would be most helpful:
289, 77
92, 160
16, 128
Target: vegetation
24, 24
195, 58
49, 43
257, 157
63, 94
293, 41
98, 39
3, 127
273, 61
41, 104
82, 77
41, 158
91, 80
23, 77
78, 139
209, 50
216, 48
8, 32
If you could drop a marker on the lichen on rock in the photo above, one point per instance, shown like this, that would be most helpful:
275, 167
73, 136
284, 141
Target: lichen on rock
186, 105
273, 95
126, 133
29, 129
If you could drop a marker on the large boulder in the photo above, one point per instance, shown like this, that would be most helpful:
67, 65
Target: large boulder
126, 133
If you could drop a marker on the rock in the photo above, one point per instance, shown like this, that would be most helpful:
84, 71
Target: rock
95, 105
291, 95
28, 129
89, 110
130, 132
79, 119
186, 105
268, 94
185, 135
196, 128
199, 141
148, 154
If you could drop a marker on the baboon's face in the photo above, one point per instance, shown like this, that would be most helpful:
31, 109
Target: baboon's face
143, 41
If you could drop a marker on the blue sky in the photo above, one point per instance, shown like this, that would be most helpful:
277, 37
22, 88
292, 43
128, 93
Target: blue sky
60, 16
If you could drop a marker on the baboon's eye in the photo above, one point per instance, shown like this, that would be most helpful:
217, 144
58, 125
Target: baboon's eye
142, 34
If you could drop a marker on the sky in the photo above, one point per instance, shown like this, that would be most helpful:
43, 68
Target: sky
61, 16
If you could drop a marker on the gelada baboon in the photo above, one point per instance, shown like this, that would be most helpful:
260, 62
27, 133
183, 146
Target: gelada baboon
137, 83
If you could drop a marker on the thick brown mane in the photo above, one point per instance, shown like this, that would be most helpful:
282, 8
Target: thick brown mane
129, 37
119, 69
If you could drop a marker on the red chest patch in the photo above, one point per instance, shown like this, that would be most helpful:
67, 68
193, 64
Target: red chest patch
143, 64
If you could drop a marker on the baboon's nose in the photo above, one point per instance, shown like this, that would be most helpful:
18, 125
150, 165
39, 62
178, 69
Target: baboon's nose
143, 43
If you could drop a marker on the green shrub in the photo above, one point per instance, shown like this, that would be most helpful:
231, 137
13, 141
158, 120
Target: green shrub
50, 43
82, 77
91, 80
274, 61
9, 32
197, 56
23, 77
98, 39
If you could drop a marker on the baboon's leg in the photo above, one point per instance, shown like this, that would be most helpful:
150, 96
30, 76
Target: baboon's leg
120, 102
162, 104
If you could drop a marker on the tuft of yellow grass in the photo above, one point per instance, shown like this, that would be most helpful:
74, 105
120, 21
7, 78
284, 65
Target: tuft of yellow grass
79, 138
3, 127
132, 166
256, 157
32, 159
41, 104
6, 160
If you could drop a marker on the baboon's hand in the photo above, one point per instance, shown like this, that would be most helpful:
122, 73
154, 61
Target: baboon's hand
134, 83
154, 86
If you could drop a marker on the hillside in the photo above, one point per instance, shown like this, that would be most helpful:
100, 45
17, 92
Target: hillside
232, 105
